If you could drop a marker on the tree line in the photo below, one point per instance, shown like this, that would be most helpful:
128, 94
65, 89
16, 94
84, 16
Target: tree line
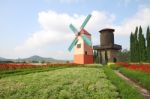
140, 45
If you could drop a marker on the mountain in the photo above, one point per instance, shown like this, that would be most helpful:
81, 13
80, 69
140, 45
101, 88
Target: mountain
32, 59
38, 58
3, 59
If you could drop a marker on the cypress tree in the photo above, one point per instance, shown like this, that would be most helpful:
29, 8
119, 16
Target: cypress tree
148, 44
136, 50
136, 46
131, 47
144, 51
140, 43
142, 46
136, 32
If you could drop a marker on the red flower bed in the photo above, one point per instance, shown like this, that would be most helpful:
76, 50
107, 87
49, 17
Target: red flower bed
124, 64
15, 66
141, 67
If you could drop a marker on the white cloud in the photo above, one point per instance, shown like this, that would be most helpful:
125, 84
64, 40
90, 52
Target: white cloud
56, 36
140, 18
55, 29
55, 32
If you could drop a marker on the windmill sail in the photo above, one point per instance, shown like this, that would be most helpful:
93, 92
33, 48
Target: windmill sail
73, 44
87, 40
73, 28
85, 21
78, 33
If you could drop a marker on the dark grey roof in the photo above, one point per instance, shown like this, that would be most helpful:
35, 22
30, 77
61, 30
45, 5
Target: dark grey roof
107, 29
115, 47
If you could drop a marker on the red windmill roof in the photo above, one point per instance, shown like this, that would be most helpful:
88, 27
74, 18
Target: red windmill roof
85, 32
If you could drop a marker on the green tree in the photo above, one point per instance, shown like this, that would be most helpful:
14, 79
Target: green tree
132, 47
124, 55
136, 46
96, 56
142, 46
106, 57
144, 51
140, 43
148, 44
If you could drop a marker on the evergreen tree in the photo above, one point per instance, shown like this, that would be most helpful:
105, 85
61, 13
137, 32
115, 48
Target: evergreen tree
148, 43
132, 47
136, 32
95, 56
144, 51
100, 57
136, 50
106, 57
140, 43
136, 46
139, 46
142, 46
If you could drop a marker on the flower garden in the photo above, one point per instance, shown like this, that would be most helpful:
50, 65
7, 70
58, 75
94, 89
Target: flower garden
139, 67
70, 81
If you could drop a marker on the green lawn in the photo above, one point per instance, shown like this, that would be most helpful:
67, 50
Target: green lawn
92, 82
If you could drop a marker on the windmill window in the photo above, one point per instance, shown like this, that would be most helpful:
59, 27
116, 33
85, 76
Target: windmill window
78, 45
85, 52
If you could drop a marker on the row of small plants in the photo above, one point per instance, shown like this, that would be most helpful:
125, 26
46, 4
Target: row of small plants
66, 83
125, 90
19, 66
141, 78
139, 73
23, 69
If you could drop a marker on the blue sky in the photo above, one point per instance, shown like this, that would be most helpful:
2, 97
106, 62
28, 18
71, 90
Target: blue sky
40, 27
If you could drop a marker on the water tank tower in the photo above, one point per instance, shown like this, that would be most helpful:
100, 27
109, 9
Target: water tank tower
107, 49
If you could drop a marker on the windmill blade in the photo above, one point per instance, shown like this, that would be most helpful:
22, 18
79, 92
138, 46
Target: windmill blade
73, 44
85, 21
87, 40
73, 28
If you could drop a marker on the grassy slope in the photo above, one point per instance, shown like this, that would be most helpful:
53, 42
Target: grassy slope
67, 83
125, 91
141, 77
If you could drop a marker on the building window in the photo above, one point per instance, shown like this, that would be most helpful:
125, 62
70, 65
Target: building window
78, 45
85, 52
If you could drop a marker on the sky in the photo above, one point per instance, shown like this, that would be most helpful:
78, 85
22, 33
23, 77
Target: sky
41, 27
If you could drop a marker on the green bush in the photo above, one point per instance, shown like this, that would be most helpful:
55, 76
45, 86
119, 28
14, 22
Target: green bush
114, 66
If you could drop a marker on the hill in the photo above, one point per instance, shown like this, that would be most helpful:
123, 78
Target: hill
33, 59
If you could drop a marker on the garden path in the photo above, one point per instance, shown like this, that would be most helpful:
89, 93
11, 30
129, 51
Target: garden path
142, 90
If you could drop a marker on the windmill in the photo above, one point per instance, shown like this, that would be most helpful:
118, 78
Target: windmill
83, 53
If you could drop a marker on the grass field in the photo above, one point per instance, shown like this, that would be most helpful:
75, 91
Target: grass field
62, 83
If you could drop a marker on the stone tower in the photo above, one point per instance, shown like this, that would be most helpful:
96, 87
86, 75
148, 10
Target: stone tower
107, 49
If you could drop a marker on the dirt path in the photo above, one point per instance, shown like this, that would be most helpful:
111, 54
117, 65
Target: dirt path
143, 91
